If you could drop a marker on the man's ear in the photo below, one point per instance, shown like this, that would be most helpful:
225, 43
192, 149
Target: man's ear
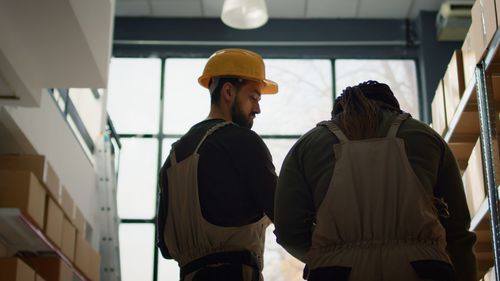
227, 92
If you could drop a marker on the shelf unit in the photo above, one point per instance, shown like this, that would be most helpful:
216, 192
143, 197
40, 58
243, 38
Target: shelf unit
20, 235
463, 130
479, 105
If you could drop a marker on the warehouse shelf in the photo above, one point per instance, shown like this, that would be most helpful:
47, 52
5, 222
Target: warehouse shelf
477, 116
483, 248
486, 76
463, 130
458, 129
481, 217
20, 235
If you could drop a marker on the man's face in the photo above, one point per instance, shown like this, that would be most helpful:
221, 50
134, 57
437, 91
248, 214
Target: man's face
246, 104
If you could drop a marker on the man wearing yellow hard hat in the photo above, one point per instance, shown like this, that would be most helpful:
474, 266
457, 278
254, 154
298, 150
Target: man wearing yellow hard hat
217, 185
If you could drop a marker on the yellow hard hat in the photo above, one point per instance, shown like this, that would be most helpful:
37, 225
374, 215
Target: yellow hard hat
237, 63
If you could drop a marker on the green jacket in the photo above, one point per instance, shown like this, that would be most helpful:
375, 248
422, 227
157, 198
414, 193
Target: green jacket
307, 171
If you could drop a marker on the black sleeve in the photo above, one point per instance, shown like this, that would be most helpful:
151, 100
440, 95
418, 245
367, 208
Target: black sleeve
258, 171
162, 211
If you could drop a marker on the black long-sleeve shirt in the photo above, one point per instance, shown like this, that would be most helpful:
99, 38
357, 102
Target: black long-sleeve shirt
236, 177
307, 170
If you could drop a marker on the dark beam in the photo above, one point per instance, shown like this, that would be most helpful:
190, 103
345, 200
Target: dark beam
194, 37
292, 38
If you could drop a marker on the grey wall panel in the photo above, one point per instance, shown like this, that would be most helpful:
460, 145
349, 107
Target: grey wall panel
433, 60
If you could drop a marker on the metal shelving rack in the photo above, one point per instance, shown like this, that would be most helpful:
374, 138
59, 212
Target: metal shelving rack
20, 235
486, 221
489, 151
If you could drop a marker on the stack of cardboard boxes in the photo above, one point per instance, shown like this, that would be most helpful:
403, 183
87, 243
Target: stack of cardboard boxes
29, 183
14, 269
460, 71
473, 180
439, 121
460, 75
444, 108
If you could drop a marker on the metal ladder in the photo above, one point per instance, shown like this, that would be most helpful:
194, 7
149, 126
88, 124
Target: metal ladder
109, 221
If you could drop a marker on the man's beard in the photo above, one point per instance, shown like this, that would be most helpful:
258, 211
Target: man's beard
239, 117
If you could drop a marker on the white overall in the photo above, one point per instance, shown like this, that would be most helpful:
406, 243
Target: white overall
376, 216
188, 235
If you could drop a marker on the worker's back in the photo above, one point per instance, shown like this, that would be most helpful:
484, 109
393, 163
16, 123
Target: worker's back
376, 217
212, 215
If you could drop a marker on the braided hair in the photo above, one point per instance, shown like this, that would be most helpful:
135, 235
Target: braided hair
357, 109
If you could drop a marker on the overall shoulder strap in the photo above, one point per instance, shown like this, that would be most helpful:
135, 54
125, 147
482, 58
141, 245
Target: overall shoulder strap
211, 131
173, 158
334, 129
393, 130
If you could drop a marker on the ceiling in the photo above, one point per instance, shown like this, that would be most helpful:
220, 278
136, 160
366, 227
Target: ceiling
291, 9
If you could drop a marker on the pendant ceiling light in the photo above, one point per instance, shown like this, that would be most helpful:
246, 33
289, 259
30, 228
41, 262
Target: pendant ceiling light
244, 14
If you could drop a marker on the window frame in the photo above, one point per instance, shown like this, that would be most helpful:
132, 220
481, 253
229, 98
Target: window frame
161, 136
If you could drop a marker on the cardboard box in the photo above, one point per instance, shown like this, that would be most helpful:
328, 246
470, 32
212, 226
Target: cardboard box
477, 31
68, 239
489, 24
21, 189
453, 84
79, 220
87, 259
495, 81
14, 269
497, 5
36, 164
473, 180
82, 254
50, 268
462, 152
469, 57
77, 277
4, 253
66, 202
439, 111
94, 265
54, 222
484, 24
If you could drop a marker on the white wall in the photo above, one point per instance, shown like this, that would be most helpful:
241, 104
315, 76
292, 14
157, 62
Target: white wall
53, 44
49, 134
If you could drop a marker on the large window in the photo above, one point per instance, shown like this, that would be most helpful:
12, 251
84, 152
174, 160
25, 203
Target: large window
400, 75
134, 95
136, 251
149, 119
185, 102
304, 98
137, 178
